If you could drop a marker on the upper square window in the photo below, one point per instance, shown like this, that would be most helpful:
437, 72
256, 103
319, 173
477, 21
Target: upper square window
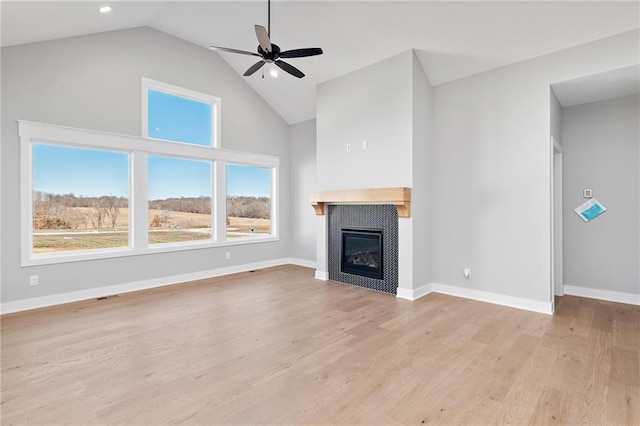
176, 114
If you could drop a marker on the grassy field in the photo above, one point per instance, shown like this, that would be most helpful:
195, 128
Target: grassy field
179, 227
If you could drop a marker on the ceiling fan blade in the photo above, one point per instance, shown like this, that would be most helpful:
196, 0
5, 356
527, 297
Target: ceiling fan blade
253, 68
263, 38
301, 53
226, 49
290, 69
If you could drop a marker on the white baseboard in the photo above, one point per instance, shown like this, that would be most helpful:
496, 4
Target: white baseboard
499, 299
416, 294
482, 296
93, 293
303, 262
321, 275
495, 298
594, 293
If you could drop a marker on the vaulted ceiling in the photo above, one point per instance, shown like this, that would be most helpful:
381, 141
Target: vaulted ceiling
452, 39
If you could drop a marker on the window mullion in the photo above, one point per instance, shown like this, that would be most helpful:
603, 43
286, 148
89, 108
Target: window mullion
275, 218
139, 205
220, 200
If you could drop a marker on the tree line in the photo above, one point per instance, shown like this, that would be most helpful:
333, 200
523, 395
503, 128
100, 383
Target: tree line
68, 211
251, 207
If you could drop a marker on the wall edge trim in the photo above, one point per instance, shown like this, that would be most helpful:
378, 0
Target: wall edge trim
303, 262
321, 275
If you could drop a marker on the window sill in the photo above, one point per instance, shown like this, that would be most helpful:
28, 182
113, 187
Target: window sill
81, 256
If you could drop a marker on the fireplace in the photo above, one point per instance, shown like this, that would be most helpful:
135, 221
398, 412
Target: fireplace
375, 209
358, 237
362, 252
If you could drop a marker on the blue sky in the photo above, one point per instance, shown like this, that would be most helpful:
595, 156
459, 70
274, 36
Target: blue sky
248, 180
61, 170
91, 173
174, 178
178, 119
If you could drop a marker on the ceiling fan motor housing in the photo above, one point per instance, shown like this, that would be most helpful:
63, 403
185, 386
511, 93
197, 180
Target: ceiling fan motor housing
270, 56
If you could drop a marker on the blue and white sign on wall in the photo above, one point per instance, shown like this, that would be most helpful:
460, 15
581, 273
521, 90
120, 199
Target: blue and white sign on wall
590, 210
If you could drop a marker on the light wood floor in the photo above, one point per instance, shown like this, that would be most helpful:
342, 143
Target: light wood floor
276, 346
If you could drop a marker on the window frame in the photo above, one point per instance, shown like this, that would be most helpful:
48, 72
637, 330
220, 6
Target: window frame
159, 86
138, 149
274, 177
212, 220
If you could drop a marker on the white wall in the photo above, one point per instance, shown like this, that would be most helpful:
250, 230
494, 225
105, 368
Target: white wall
491, 163
303, 182
602, 151
421, 185
94, 82
373, 104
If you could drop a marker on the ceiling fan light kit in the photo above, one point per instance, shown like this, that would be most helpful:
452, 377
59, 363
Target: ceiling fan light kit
270, 53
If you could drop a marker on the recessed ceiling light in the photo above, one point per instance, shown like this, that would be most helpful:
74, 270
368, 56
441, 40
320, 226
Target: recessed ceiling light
274, 72
105, 9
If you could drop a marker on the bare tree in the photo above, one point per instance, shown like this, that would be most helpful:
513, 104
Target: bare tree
166, 216
98, 212
82, 219
112, 209
41, 208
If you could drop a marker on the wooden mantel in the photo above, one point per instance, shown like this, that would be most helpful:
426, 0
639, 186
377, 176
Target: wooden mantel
399, 197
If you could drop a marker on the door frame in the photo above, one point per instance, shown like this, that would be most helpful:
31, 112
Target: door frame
557, 282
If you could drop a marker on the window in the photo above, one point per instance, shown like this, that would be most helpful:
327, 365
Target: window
175, 114
179, 190
79, 199
179, 193
248, 201
92, 195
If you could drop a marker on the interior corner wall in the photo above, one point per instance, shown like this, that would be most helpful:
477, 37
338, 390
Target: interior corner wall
558, 250
303, 182
601, 151
491, 180
421, 159
94, 82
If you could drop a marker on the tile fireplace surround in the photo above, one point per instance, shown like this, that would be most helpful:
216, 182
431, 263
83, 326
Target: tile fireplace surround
387, 209
382, 217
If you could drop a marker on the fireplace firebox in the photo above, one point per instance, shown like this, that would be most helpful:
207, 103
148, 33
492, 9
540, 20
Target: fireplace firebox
362, 252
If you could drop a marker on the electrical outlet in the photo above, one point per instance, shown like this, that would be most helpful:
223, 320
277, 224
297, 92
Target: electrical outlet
365, 144
227, 255
33, 280
467, 272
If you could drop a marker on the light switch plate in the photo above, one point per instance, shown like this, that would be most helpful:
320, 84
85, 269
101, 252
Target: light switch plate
587, 193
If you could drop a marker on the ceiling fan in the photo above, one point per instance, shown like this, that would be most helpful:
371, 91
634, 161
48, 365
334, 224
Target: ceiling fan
271, 53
